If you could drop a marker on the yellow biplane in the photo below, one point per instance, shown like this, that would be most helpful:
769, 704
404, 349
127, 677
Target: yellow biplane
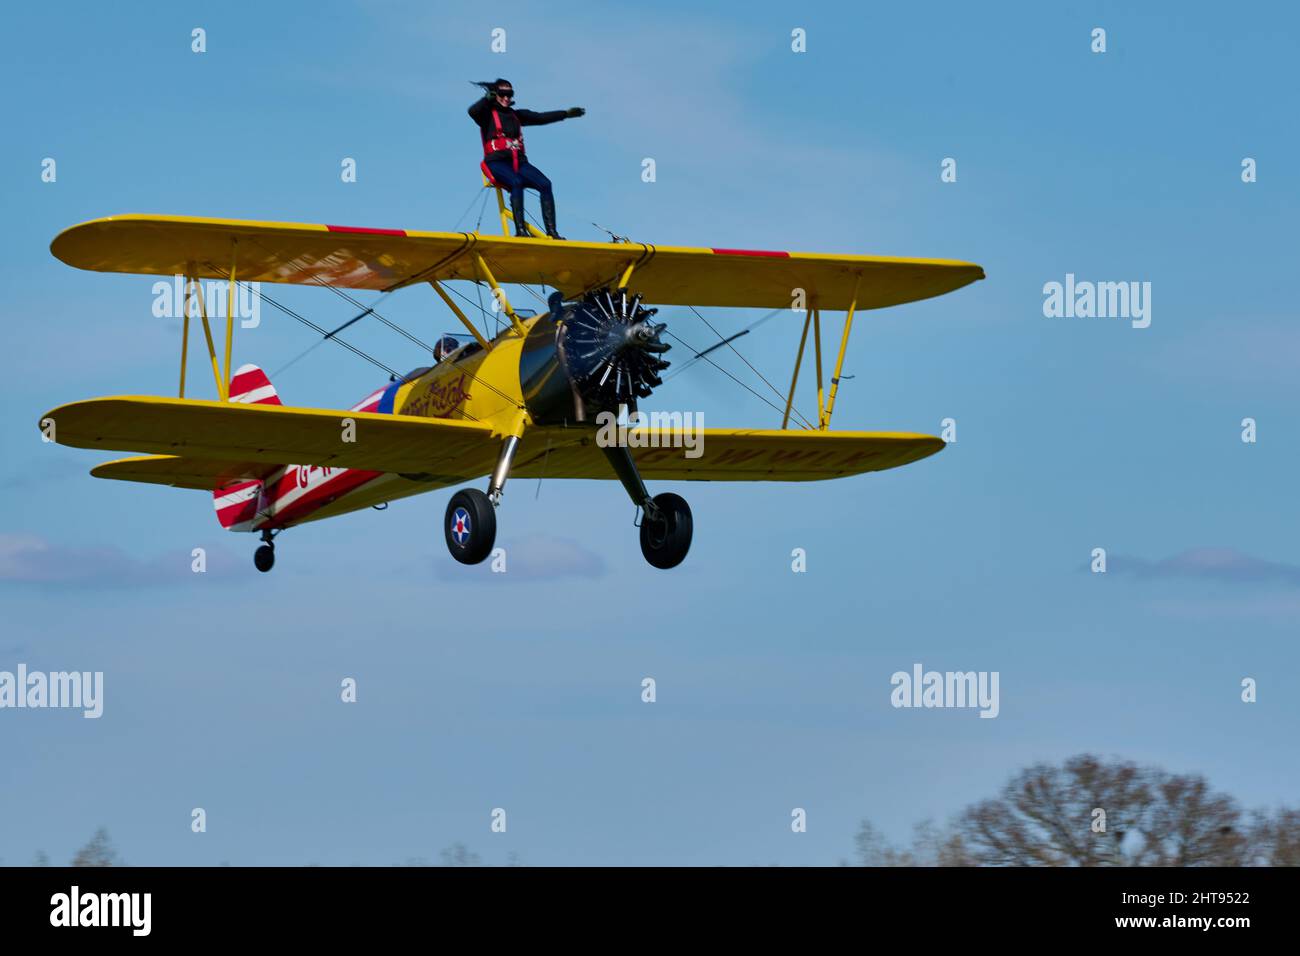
527, 402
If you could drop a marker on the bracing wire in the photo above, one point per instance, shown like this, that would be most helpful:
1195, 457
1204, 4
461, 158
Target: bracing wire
756, 394
741, 357
310, 324
332, 335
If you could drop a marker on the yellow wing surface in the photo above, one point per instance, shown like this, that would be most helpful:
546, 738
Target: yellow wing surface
200, 444
238, 436
383, 259
724, 454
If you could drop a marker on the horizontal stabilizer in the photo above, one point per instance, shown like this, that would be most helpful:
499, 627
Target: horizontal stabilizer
201, 474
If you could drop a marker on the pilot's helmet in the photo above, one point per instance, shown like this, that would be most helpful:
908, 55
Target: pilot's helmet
444, 347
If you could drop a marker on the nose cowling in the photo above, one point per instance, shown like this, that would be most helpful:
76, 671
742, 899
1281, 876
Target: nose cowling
591, 355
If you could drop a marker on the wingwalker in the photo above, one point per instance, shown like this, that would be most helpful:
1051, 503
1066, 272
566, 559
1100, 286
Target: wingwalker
524, 403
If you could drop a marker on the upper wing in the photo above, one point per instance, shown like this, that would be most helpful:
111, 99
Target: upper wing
384, 259
241, 436
726, 454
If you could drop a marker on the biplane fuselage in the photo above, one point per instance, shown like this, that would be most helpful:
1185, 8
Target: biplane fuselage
471, 384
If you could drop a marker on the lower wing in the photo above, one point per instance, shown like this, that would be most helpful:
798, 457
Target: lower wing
723, 454
202, 444
239, 437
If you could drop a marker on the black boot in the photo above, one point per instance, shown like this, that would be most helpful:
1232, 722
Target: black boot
521, 219
548, 217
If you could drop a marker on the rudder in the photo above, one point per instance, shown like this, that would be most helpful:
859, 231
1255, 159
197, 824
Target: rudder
237, 504
251, 387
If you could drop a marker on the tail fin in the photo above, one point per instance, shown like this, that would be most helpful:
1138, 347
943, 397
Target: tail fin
237, 504
251, 386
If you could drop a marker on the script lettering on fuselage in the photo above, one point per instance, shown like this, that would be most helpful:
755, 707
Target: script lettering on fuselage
440, 398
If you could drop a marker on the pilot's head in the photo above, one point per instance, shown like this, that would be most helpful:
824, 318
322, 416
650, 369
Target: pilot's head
444, 347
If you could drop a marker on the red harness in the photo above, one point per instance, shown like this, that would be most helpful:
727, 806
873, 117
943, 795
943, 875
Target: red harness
501, 141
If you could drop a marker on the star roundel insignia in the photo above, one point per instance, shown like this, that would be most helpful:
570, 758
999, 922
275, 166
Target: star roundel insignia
460, 529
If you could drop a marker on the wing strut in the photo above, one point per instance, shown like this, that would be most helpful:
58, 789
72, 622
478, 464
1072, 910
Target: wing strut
464, 319
817, 338
231, 292
798, 360
212, 349
825, 422
500, 294
193, 288
185, 328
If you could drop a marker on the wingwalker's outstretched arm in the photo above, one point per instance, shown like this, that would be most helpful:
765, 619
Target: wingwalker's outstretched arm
530, 118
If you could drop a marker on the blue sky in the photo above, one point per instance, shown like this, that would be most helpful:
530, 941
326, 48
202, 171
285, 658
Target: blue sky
522, 691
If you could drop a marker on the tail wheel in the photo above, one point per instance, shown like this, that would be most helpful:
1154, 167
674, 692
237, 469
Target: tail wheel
666, 539
264, 558
470, 526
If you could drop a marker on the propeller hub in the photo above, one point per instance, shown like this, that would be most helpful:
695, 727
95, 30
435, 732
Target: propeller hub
606, 347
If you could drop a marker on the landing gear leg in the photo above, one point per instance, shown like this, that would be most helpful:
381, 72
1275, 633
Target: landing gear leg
470, 524
497, 483
264, 557
666, 525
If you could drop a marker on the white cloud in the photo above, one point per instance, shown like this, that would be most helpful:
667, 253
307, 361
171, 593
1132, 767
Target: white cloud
31, 559
531, 558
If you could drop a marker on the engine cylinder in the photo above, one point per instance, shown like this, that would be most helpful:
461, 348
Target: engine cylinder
590, 356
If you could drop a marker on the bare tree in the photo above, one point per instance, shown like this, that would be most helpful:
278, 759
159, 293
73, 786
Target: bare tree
1045, 814
1090, 812
459, 855
1275, 840
874, 850
1190, 825
931, 846
98, 852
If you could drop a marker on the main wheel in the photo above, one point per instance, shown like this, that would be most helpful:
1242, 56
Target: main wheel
264, 558
666, 541
470, 526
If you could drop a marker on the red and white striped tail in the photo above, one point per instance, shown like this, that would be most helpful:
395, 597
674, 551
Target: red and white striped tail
251, 386
237, 504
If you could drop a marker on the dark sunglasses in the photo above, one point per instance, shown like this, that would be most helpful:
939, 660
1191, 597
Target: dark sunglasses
507, 93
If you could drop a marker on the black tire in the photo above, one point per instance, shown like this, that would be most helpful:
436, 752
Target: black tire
470, 526
665, 542
264, 558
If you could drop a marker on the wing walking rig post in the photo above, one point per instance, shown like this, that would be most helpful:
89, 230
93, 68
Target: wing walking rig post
524, 403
